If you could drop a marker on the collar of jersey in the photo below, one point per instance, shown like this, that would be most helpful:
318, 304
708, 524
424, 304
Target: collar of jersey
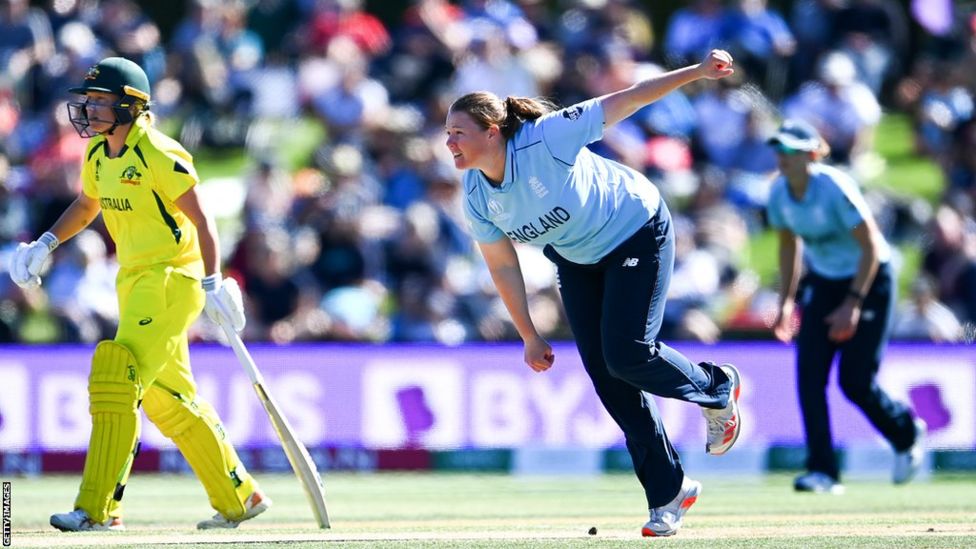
815, 173
509, 171
138, 129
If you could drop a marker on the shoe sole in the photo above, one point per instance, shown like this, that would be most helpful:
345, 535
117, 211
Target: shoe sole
686, 504
737, 384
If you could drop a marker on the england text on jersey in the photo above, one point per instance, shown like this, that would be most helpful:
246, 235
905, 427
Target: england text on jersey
529, 232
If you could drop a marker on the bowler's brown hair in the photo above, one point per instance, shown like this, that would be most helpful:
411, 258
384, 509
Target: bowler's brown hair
485, 108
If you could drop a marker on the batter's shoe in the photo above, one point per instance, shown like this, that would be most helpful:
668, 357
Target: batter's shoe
724, 423
908, 463
79, 521
255, 505
666, 520
817, 483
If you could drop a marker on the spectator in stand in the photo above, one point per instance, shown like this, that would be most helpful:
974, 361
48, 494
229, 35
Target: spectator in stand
874, 34
950, 259
761, 41
842, 109
26, 43
81, 287
275, 23
944, 106
752, 166
696, 281
356, 103
269, 195
56, 167
14, 221
490, 63
692, 31
962, 168
130, 33
273, 294
812, 24
723, 115
504, 15
420, 62
332, 19
925, 317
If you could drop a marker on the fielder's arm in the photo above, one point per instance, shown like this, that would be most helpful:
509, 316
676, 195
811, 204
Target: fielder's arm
790, 258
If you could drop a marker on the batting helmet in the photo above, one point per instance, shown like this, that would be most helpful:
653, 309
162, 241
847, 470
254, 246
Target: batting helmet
115, 75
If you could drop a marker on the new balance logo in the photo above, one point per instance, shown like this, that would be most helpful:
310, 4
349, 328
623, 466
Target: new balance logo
631, 262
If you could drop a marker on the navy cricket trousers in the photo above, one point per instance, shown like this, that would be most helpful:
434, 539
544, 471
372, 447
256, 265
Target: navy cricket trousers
615, 308
860, 358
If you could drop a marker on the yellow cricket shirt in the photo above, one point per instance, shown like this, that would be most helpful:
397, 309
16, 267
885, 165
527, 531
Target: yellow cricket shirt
137, 190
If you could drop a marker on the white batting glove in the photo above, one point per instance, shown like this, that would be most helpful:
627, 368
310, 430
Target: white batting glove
28, 259
225, 304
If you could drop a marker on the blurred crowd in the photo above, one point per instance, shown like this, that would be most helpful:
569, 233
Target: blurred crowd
363, 238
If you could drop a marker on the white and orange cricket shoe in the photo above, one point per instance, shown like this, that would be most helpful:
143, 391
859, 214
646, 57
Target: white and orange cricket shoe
255, 505
724, 423
79, 521
666, 520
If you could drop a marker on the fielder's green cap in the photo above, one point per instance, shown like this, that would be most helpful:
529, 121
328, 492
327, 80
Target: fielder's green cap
116, 75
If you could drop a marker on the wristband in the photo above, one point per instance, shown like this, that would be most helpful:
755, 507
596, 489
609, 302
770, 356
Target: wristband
211, 283
49, 240
856, 295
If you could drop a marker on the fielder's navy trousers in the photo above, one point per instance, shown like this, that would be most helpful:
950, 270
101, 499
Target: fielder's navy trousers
860, 358
615, 308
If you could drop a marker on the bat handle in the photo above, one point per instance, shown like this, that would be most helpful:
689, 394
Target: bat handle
243, 356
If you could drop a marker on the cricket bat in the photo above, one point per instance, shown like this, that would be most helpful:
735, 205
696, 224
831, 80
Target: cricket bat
301, 461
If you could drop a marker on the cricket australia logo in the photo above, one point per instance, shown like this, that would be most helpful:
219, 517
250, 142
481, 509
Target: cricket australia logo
131, 176
537, 187
92, 73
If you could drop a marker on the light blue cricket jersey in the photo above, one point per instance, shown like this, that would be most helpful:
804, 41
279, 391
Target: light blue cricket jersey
824, 218
556, 191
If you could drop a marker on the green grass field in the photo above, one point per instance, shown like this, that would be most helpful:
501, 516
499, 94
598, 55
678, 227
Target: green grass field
461, 510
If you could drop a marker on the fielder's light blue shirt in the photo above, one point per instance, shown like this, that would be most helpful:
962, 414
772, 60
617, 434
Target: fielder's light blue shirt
558, 192
824, 218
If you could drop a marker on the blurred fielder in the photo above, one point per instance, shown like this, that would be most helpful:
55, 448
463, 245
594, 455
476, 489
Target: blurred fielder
846, 300
144, 183
530, 178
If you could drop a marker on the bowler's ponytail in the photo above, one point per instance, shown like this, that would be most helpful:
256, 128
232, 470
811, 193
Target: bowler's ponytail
520, 109
486, 109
